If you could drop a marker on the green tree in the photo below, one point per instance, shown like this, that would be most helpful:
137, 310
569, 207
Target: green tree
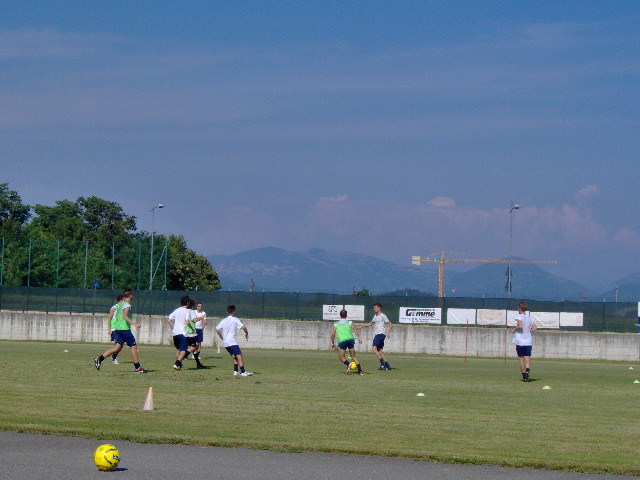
364, 293
188, 270
13, 213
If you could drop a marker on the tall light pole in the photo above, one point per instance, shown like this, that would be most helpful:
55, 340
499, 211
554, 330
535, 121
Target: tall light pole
153, 221
513, 207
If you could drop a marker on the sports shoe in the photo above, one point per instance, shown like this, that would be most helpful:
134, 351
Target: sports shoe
526, 377
348, 370
360, 373
201, 366
235, 373
382, 367
388, 368
176, 368
140, 370
96, 362
246, 374
115, 361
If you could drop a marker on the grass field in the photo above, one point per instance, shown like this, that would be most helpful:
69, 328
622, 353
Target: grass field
474, 412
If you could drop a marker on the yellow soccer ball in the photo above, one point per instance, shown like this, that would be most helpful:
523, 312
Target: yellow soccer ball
106, 458
353, 365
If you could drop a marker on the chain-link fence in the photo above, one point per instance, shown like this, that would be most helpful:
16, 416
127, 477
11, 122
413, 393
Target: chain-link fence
136, 262
597, 316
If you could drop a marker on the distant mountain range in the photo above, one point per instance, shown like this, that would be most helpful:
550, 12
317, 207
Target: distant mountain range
274, 269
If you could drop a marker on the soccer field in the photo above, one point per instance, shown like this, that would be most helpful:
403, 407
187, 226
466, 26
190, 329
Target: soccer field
473, 412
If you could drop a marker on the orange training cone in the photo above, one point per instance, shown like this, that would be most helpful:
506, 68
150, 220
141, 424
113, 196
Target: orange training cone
148, 404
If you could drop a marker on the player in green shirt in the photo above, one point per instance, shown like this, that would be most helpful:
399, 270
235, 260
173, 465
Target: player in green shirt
347, 334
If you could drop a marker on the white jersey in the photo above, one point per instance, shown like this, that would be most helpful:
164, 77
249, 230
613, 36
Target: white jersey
380, 321
229, 327
179, 317
523, 337
199, 323
112, 311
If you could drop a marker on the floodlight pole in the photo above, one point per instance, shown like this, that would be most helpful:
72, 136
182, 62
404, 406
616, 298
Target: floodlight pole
153, 221
513, 207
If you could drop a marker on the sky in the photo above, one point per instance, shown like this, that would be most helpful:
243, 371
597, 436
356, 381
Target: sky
386, 128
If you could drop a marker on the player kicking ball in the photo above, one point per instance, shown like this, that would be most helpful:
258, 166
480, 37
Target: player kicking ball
347, 334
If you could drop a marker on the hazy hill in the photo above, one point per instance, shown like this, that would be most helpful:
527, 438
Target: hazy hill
527, 281
275, 269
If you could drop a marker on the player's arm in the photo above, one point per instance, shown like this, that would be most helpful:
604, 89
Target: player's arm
534, 327
112, 312
246, 333
125, 314
518, 326
333, 338
389, 327
355, 332
364, 325
219, 332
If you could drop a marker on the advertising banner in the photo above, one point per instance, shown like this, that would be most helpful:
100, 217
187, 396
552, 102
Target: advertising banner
420, 315
461, 316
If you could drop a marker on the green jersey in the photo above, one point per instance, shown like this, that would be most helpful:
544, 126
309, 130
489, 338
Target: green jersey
118, 322
344, 331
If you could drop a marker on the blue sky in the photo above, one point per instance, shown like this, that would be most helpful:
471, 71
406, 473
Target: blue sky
386, 128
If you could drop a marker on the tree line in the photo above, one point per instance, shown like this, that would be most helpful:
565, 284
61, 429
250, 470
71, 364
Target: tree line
74, 243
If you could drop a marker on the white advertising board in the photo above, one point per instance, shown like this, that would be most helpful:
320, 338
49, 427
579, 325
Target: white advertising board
546, 319
331, 312
568, 319
461, 316
355, 313
420, 315
491, 317
511, 318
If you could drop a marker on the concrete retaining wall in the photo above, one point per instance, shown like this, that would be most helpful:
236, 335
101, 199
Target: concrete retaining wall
315, 335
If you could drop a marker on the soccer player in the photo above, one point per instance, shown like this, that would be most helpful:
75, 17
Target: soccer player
178, 320
112, 313
381, 330
192, 333
122, 333
226, 330
523, 339
347, 334
201, 322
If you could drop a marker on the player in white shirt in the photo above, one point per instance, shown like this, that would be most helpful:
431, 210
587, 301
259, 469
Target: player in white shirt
178, 320
381, 330
523, 339
226, 330
201, 322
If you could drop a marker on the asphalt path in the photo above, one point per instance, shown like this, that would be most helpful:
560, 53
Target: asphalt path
29, 457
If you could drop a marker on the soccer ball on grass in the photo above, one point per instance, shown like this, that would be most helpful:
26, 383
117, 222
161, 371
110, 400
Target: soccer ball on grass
353, 365
106, 458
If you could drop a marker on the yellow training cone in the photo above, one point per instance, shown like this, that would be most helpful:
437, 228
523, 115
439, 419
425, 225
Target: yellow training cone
546, 387
148, 404
636, 381
630, 368
420, 395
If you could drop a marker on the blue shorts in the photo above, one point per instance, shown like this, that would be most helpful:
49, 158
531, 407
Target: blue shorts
347, 344
124, 336
523, 350
192, 341
378, 341
180, 342
234, 350
200, 335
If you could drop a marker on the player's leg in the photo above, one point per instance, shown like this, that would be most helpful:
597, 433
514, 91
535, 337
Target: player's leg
115, 349
352, 352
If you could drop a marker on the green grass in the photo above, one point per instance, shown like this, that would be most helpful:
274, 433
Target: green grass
474, 412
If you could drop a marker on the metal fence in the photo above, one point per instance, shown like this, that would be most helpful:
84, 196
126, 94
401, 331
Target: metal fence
34, 262
598, 316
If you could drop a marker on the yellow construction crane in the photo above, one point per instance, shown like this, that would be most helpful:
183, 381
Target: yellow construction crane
416, 260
